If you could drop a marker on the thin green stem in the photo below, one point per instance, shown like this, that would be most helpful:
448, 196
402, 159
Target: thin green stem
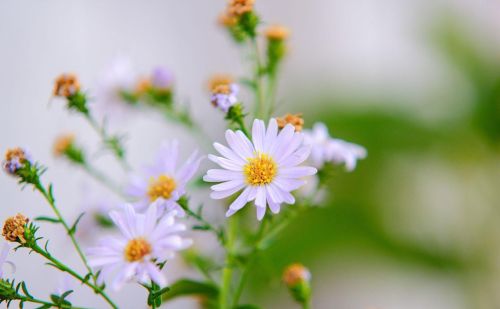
103, 179
260, 104
243, 128
70, 271
47, 303
218, 232
251, 257
271, 94
106, 139
227, 272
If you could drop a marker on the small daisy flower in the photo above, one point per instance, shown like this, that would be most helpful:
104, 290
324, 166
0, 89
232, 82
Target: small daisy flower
163, 181
265, 168
327, 149
145, 240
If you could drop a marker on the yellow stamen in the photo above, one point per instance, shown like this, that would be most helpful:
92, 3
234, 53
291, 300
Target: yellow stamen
260, 170
137, 249
163, 186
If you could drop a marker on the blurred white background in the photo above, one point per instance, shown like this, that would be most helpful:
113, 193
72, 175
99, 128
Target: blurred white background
373, 47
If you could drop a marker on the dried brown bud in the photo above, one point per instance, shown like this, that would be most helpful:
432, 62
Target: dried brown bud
295, 274
239, 7
66, 85
227, 20
295, 120
62, 143
13, 228
220, 82
277, 32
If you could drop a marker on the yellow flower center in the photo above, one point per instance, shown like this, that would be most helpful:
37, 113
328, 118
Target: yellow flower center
163, 186
260, 170
137, 249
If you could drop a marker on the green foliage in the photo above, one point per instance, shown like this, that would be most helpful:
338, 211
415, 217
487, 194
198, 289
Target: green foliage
188, 287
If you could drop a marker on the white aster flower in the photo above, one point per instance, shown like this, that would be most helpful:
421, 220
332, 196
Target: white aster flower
118, 80
145, 240
327, 149
163, 181
266, 168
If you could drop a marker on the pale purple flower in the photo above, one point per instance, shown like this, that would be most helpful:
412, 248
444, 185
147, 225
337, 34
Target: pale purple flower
327, 149
163, 181
161, 78
225, 100
118, 79
145, 240
66, 283
17, 158
265, 168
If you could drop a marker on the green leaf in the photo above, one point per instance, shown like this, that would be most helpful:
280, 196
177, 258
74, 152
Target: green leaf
47, 219
25, 290
72, 230
187, 287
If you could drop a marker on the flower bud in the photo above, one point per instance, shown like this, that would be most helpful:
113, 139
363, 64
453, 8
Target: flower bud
65, 146
66, 85
297, 278
277, 32
14, 227
15, 159
239, 7
276, 46
295, 120
224, 92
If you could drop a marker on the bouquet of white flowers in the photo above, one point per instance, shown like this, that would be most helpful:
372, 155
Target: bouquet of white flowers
266, 163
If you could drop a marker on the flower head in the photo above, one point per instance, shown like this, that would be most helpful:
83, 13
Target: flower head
295, 120
265, 168
277, 32
326, 149
66, 85
15, 159
145, 239
240, 7
62, 144
14, 227
161, 79
296, 273
164, 182
224, 92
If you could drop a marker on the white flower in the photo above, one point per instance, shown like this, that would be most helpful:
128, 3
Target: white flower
118, 80
266, 168
145, 240
327, 149
163, 181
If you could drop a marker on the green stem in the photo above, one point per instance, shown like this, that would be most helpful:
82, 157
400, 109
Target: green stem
227, 272
218, 232
97, 175
43, 302
306, 304
118, 152
271, 94
251, 257
260, 107
243, 128
70, 271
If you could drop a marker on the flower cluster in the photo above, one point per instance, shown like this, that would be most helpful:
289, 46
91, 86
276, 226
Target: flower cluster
267, 166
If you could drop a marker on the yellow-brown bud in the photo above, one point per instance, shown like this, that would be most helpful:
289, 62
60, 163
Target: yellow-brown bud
143, 86
240, 7
277, 32
62, 144
16, 153
295, 274
295, 120
66, 85
220, 82
13, 228
227, 20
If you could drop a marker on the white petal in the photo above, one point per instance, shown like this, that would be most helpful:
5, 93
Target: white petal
239, 144
271, 134
156, 275
297, 172
261, 212
228, 185
260, 199
275, 207
288, 184
216, 195
240, 201
296, 158
258, 134
226, 163
220, 175
228, 153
